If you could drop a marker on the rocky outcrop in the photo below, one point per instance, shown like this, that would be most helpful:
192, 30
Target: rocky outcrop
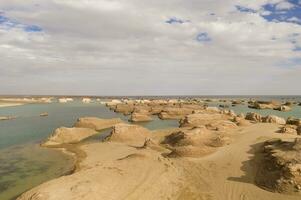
129, 134
241, 115
155, 107
241, 121
96, 123
112, 104
194, 142
293, 121
155, 110
228, 112
224, 106
281, 168
264, 104
274, 119
299, 130
200, 119
289, 129
174, 113
65, 100
125, 109
283, 108
65, 135
221, 125
255, 117
140, 117
7, 118
236, 102
289, 103
212, 109
45, 114
142, 109
27, 100
293, 126
86, 100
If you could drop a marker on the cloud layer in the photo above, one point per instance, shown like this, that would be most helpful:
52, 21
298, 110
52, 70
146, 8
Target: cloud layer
141, 47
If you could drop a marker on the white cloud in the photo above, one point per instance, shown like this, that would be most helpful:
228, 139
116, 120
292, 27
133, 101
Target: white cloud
105, 5
284, 6
294, 19
127, 48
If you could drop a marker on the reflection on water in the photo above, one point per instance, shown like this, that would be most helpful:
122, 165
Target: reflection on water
23, 163
23, 167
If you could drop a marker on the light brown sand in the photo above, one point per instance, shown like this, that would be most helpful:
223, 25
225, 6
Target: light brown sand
3, 104
230, 172
114, 171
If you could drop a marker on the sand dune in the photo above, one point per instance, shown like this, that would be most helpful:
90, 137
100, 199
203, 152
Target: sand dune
121, 171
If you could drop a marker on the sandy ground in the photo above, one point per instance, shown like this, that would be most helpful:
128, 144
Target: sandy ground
9, 104
230, 172
115, 171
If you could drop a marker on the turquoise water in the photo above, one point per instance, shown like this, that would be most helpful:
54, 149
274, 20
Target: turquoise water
23, 163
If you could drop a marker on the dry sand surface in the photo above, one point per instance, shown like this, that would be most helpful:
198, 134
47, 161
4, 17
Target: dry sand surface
115, 171
9, 104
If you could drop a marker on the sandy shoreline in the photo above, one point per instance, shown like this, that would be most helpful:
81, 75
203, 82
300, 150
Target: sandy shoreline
213, 155
2, 105
124, 172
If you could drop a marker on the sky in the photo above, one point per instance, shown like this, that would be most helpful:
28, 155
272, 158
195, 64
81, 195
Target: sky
143, 47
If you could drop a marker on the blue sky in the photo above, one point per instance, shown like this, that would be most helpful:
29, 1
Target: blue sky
285, 11
203, 37
288, 11
174, 20
290, 15
7, 23
142, 47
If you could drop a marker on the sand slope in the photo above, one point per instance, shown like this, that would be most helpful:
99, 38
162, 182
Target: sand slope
115, 171
231, 171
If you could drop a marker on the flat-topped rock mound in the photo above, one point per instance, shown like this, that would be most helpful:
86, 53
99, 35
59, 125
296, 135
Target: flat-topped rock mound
179, 111
241, 121
166, 109
174, 113
290, 129
126, 109
65, 135
264, 104
96, 123
130, 134
273, 119
7, 118
293, 121
140, 117
270, 105
200, 119
255, 117
281, 167
193, 142
292, 126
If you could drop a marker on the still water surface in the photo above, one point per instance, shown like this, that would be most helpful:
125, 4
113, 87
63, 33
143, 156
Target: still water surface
23, 163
